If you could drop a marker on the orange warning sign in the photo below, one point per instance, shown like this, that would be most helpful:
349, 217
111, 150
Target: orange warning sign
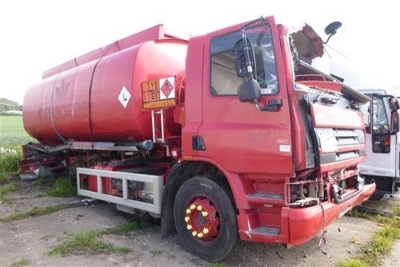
155, 96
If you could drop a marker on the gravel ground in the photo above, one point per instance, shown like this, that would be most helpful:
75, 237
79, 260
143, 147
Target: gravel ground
32, 238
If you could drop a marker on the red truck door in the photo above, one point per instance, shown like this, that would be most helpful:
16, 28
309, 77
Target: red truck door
237, 135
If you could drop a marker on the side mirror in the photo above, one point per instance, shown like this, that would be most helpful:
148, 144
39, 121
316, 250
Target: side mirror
331, 29
249, 91
393, 103
394, 122
244, 61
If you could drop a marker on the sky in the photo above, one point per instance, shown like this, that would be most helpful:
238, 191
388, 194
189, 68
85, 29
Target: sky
38, 35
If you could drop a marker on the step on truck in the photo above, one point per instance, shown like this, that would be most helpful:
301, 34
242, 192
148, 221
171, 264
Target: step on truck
225, 137
381, 116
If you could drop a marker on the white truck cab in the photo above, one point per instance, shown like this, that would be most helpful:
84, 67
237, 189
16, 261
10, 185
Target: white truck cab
381, 116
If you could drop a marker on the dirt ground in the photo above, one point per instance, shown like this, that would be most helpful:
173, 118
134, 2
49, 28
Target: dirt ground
32, 238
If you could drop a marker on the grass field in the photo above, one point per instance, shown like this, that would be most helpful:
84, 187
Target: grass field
12, 132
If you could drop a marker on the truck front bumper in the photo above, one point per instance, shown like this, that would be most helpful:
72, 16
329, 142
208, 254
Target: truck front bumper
306, 223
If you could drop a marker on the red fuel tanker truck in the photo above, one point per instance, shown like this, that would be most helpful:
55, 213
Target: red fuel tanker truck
227, 136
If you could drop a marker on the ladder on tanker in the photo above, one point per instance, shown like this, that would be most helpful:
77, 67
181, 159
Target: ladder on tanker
158, 123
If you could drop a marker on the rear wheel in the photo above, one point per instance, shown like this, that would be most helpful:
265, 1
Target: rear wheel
205, 219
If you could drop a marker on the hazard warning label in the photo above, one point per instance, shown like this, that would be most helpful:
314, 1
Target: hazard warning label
158, 93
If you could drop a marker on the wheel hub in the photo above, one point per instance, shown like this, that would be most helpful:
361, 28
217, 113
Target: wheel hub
202, 219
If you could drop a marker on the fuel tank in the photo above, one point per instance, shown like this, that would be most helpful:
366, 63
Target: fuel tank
100, 98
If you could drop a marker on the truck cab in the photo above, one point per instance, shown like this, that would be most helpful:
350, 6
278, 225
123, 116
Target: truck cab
286, 153
381, 116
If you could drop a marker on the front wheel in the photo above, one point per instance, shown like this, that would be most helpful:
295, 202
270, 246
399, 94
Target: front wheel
205, 219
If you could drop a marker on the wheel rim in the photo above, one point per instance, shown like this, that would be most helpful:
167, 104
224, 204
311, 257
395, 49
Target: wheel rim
202, 219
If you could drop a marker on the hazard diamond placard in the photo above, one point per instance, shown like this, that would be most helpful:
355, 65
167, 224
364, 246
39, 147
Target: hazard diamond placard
158, 93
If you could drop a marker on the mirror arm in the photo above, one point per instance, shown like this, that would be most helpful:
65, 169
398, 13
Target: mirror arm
250, 70
329, 37
247, 55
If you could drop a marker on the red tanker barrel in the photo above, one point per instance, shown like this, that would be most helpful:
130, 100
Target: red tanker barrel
102, 100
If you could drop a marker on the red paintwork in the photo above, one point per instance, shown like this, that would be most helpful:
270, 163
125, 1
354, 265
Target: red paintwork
157, 32
82, 102
299, 225
258, 152
246, 144
329, 117
229, 127
323, 85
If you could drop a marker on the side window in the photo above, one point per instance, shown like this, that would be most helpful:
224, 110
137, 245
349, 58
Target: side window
380, 122
365, 109
223, 76
380, 126
377, 124
224, 80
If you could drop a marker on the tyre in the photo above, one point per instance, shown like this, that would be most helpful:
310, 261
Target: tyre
205, 219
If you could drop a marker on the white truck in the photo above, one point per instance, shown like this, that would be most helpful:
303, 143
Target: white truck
383, 141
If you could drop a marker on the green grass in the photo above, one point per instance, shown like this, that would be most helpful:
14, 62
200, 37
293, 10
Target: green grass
7, 177
64, 186
352, 263
90, 243
12, 136
156, 252
381, 243
216, 264
86, 244
3, 177
120, 229
396, 211
6, 188
35, 211
8, 159
12, 132
20, 262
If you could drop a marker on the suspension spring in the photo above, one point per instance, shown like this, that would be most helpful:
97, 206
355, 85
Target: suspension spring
320, 192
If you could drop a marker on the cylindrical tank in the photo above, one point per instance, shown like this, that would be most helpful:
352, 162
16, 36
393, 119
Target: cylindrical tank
101, 100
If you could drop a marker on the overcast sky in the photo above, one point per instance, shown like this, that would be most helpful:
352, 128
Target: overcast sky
37, 35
